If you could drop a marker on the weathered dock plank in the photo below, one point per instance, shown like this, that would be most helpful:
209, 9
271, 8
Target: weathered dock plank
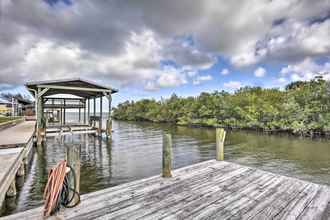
17, 135
208, 190
9, 163
15, 146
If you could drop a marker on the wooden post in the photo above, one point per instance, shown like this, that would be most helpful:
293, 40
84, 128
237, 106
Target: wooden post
84, 111
73, 160
40, 119
26, 160
12, 189
100, 122
79, 119
21, 170
167, 155
61, 117
88, 110
94, 107
109, 120
220, 140
64, 112
94, 111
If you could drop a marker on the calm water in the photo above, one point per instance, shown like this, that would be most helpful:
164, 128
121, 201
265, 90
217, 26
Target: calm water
135, 153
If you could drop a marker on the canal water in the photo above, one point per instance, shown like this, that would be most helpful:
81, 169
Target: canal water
136, 152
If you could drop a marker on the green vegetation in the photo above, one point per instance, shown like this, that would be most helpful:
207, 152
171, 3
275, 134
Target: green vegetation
6, 119
303, 108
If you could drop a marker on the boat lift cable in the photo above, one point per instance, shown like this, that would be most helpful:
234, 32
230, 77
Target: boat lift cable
58, 192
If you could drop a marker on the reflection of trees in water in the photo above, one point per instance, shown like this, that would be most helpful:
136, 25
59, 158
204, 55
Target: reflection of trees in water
280, 152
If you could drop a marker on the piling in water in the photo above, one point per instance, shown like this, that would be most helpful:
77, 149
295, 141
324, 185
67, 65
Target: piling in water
73, 161
167, 155
220, 141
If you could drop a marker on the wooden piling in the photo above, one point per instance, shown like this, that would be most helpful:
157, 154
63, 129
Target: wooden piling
101, 112
21, 170
12, 189
167, 155
109, 129
79, 117
84, 111
220, 140
73, 160
109, 120
40, 117
88, 112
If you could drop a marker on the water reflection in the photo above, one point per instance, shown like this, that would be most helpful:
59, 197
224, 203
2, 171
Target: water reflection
135, 153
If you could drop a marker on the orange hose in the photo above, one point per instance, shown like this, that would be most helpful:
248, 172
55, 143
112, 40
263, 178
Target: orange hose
53, 187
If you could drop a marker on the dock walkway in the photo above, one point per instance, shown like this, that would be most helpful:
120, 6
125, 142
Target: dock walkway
207, 190
15, 146
17, 135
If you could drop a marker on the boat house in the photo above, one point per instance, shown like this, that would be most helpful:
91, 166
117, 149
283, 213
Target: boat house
54, 98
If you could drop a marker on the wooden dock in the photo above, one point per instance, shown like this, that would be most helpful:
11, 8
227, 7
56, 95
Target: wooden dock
207, 190
70, 129
15, 146
18, 135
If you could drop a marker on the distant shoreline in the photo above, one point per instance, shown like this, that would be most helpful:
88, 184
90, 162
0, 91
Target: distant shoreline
315, 135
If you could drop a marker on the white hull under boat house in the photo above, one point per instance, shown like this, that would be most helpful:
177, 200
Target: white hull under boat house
55, 98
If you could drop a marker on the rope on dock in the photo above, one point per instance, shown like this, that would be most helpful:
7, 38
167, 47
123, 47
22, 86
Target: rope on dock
57, 190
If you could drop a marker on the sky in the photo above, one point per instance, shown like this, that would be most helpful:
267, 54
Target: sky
153, 48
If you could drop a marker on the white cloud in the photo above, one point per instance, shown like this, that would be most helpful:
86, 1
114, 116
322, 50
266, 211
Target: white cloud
260, 72
151, 86
296, 40
282, 80
171, 77
306, 70
224, 71
200, 79
130, 48
187, 56
191, 73
233, 85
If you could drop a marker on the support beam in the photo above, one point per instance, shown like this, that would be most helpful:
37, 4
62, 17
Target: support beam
79, 119
61, 116
88, 110
94, 106
94, 111
85, 111
64, 113
100, 122
40, 118
75, 88
109, 120
41, 93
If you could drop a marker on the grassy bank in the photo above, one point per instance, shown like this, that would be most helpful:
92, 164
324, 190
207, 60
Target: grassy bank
4, 119
301, 109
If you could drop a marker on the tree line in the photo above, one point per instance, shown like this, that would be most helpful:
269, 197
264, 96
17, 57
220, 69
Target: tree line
303, 108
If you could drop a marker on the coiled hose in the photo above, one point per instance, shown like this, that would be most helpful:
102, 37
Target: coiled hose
58, 192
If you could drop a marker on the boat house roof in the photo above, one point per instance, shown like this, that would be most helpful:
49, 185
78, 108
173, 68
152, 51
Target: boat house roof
76, 86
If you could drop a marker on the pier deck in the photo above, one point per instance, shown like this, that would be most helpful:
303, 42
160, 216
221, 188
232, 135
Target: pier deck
208, 190
15, 146
17, 135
